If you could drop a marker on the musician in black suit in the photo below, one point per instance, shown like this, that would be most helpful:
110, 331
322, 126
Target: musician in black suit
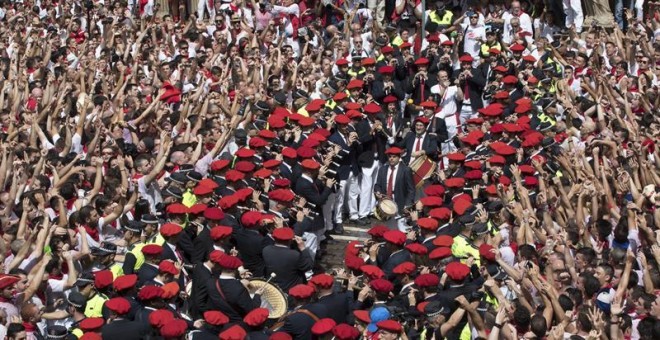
472, 82
395, 241
338, 304
437, 125
419, 143
288, 264
387, 85
149, 269
314, 191
118, 326
201, 274
248, 243
229, 294
393, 124
299, 323
395, 181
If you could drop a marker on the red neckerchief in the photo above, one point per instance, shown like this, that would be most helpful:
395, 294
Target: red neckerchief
92, 232
30, 328
70, 202
55, 277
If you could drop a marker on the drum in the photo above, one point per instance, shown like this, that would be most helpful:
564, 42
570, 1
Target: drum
385, 209
422, 168
272, 298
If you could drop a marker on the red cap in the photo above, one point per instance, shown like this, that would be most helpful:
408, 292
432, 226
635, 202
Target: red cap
466, 58
434, 190
461, 205
342, 119
427, 280
170, 290
443, 241
447, 43
227, 202
390, 326
305, 152
125, 282
501, 95
91, 324
229, 262
310, 164
256, 317
387, 69
497, 159
174, 329
381, 286
167, 266
118, 305
421, 61
457, 271
395, 237
215, 318
486, 251
301, 291
517, 48
283, 234
267, 134
510, 80
152, 250
456, 157
387, 49
234, 332
372, 108
344, 331
170, 229
197, 208
103, 279
323, 326
176, 208
427, 223
473, 175
244, 166
245, 153
362, 315
431, 201
390, 99
354, 263
440, 253
441, 213
455, 182
257, 142
394, 151
339, 96
280, 336
429, 104
377, 230
219, 164
289, 152
405, 268
417, 248
322, 280
423, 120
160, 317
355, 84
368, 62
372, 272
342, 62
220, 232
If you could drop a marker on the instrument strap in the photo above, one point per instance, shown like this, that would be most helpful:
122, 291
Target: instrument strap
280, 322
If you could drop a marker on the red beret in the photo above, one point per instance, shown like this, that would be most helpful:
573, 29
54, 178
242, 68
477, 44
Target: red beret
372, 108
339, 96
455, 182
428, 104
501, 95
431, 201
421, 61
257, 142
8, 280
417, 248
283, 234
305, 152
433, 38
405, 268
353, 114
395, 237
456, 157
118, 305
234, 332
390, 99
250, 219
466, 58
310, 164
497, 159
256, 317
372, 272
427, 280
501, 69
447, 43
345, 332
354, 263
152, 249
441, 213
390, 326
125, 282
280, 336
234, 176
342, 62
387, 49
219, 164
301, 291
262, 173
502, 148
394, 151
377, 230
517, 48
103, 279
215, 318
174, 329
457, 271
443, 241
227, 202
198, 208
289, 152
491, 110
531, 181
422, 120
322, 280
170, 229
355, 84
473, 175
209, 183
440, 253
220, 232
362, 315
230, 262
167, 266
176, 208
342, 119
510, 80
461, 205
90, 336
272, 163
387, 69
306, 121
170, 290
91, 324
276, 122
434, 190
267, 134
244, 166
160, 317
427, 223
381, 286
282, 183
323, 326
245, 153
486, 251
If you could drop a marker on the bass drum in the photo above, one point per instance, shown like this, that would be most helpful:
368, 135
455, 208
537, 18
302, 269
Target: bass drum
422, 168
272, 298
385, 210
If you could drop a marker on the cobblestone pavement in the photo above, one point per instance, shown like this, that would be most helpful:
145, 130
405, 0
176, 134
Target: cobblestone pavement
334, 250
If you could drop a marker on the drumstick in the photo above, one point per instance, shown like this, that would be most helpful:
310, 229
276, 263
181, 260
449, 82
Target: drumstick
261, 290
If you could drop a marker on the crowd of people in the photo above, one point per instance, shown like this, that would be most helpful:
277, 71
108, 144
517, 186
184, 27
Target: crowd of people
178, 169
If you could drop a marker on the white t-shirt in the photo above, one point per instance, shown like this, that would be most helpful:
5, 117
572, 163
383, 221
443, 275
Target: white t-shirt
473, 35
447, 104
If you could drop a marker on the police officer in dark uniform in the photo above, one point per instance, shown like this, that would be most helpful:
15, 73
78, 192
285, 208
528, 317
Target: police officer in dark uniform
134, 258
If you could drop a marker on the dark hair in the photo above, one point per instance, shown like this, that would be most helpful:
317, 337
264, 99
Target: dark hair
14, 328
591, 285
521, 318
538, 326
565, 302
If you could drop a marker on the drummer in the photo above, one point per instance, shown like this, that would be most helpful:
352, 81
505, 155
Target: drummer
419, 142
395, 182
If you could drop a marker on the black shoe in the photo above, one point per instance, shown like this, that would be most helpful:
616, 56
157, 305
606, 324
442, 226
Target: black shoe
364, 221
339, 229
328, 237
354, 221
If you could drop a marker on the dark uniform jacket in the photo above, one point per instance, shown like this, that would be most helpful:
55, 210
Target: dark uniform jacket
289, 265
229, 296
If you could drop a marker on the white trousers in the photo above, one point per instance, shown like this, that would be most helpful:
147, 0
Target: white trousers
204, 5
349, 191
328, 208
377, 9
466, 113
574, 16
311, 243
367, 198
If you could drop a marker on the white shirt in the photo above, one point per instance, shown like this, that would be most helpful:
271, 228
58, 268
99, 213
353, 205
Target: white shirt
389, 173
473, 37
419, 140
448, 103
